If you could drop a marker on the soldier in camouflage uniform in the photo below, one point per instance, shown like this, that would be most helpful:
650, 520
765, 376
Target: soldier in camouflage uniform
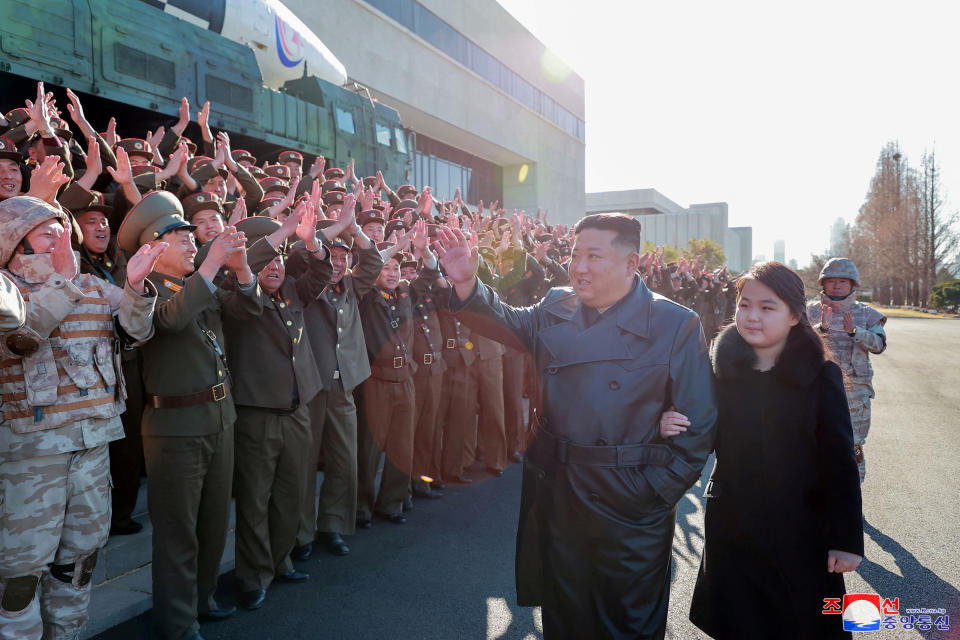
62, 403
853, 331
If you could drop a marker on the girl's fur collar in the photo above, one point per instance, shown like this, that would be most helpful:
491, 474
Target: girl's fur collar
798, 365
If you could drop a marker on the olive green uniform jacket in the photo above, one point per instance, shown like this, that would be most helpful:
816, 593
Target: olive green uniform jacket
182, 358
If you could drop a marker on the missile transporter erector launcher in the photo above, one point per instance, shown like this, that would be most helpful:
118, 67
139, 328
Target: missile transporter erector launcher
135, 60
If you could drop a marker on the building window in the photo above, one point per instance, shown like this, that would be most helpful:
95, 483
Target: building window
426, 24
447, 169
484, 64
383, 134
401, 137
438, 33
345, 120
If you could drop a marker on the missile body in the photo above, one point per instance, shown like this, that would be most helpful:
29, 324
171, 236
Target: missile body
282, 43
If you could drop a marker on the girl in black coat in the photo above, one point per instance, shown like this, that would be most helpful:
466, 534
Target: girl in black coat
783, 519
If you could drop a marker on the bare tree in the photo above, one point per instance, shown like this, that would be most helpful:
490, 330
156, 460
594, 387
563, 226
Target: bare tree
936, 225
884, 240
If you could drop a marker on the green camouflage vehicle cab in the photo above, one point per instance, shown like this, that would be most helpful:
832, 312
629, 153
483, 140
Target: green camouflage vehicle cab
133, 60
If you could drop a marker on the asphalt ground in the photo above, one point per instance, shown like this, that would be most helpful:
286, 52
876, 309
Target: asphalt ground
448, 573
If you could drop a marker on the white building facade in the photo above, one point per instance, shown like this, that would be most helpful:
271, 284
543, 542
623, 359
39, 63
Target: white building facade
494, 112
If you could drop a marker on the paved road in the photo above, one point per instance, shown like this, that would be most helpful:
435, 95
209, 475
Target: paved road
448, 573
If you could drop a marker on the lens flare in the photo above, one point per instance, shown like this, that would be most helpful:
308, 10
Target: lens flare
554, 69
522, 176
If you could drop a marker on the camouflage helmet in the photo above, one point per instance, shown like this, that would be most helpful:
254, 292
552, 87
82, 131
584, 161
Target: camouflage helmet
839, 268
18, 216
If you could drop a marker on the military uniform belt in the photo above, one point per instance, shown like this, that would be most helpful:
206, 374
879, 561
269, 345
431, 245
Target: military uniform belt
216, 393
430, 358
623, 455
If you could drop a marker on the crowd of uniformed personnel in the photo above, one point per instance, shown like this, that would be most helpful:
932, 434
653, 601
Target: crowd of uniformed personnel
268, 317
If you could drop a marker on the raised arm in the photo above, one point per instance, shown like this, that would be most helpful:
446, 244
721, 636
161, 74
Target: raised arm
477, 304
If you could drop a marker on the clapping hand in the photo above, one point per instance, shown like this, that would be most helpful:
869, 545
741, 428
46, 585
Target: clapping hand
123, 173
848, 325
46, 179
316, 169
460, 260
142, 263
239, 212
62, 256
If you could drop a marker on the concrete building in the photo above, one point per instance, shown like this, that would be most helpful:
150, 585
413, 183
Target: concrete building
665, 222
493, 111
780, 251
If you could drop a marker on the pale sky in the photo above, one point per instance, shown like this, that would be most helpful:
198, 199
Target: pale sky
779, 110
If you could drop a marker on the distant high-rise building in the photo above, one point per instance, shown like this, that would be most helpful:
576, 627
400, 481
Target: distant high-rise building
793, 263
779, 251
838, 238
759, 258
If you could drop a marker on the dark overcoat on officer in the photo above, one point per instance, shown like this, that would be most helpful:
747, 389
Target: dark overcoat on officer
598, 503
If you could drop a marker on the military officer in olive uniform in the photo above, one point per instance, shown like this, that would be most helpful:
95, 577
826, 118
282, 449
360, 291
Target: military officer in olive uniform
427, 382
336, 336
389, 392
273, 423
188, 437
458, 403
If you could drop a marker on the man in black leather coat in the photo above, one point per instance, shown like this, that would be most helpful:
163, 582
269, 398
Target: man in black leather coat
600, 488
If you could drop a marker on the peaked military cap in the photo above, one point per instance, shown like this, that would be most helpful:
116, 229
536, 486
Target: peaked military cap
16, 117
271, 183
333, 198
191, 145
394, 225
332, 185
99, 203
145, 177
334, 173
266, 204
8, 150
158, 213
290, 156
367, 217
200, 201
277, 171
256, 227
398, 214
204, 170
406, 190
135, 147
242, 154
61, 129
